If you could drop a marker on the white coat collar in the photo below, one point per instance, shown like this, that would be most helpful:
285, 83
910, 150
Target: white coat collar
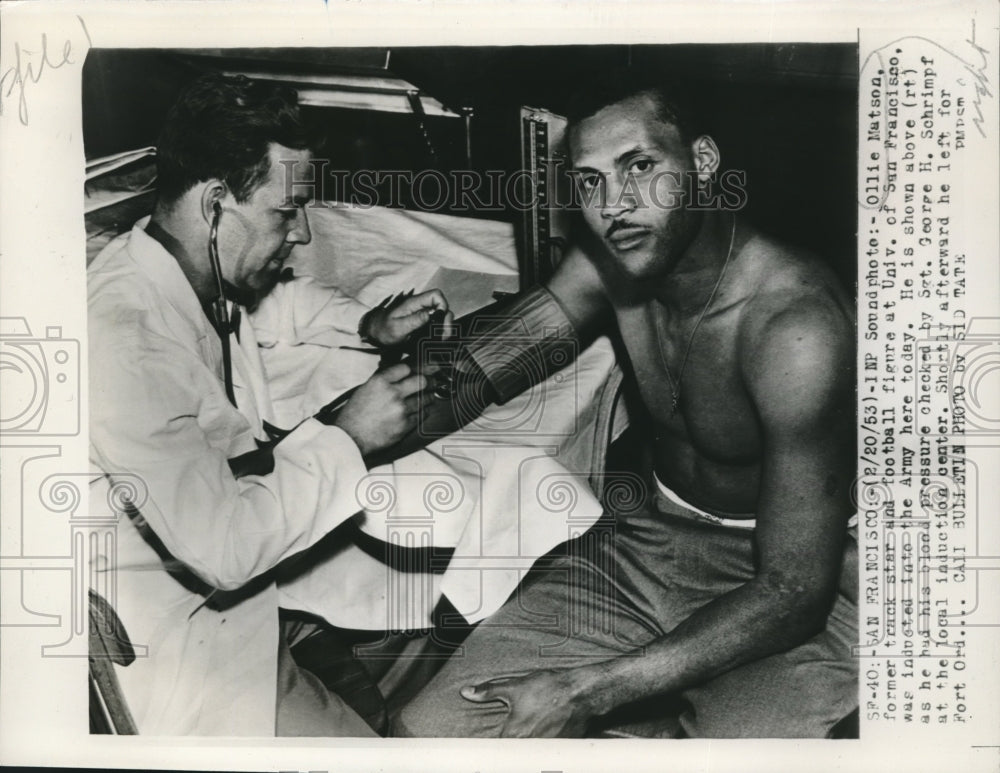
163, 269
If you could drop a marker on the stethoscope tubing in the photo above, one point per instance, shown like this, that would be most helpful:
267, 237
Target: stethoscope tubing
219, 305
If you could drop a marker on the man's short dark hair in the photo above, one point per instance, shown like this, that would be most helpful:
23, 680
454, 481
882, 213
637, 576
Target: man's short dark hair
221, 127
676, 102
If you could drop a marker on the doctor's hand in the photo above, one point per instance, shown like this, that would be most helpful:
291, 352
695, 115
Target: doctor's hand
541, 704
390, 325
384, 409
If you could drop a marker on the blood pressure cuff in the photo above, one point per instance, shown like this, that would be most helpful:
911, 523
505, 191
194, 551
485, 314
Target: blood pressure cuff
522, 344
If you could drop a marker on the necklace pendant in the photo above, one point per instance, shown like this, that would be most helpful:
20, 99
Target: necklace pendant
674, 400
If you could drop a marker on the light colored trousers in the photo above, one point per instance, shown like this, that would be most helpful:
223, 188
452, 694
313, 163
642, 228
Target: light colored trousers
616, 590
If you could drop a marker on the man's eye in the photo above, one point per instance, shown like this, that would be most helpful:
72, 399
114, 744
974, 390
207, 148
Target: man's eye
641, 166
590, 181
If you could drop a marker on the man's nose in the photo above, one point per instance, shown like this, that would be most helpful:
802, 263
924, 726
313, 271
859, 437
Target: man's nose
301, 233
619, 198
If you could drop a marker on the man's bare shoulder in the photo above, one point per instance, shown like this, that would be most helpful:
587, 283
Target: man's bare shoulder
790, 285
798, 319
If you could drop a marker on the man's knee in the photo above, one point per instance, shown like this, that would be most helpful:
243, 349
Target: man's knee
771, 722
804, 700
439, 711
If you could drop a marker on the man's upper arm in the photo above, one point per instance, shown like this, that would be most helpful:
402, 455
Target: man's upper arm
799, 370
579, 289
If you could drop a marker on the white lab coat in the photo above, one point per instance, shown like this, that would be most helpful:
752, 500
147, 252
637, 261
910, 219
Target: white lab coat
202, 601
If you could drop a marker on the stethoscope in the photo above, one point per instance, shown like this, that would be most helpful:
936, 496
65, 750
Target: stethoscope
219, 309
220, 313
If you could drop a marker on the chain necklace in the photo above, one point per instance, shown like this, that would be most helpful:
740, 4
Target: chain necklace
675, 386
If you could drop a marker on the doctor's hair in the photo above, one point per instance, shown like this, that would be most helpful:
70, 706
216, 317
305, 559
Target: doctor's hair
676, 101
220, 127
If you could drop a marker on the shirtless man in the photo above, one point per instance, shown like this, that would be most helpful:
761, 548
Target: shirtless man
727, 590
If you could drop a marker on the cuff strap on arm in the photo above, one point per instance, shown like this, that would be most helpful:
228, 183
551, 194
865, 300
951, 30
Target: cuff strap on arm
530, 341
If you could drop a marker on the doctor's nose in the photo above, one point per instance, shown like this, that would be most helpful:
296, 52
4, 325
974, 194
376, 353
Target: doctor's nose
300, 232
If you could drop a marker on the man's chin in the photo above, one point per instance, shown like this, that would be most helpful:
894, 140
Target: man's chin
637, 265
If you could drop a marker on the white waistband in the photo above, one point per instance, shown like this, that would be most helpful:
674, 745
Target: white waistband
737, 523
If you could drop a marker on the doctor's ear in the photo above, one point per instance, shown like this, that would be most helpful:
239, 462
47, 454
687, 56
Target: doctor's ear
211, 199
706, 158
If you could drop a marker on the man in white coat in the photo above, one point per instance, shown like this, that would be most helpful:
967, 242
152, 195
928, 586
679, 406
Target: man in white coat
177, 392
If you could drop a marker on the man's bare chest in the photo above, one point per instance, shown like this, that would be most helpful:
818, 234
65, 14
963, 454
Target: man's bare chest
692, 386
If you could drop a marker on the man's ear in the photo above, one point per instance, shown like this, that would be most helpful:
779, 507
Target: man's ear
213, 193
706, 158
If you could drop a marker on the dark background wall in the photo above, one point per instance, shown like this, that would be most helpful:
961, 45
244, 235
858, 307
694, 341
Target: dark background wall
786, 114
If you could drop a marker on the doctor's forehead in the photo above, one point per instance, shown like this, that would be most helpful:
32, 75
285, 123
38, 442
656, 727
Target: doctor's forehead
292, 174
634, 123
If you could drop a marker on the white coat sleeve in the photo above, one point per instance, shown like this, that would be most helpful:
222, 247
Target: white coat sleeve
157, 412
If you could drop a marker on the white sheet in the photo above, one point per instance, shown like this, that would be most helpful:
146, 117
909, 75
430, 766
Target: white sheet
370, 252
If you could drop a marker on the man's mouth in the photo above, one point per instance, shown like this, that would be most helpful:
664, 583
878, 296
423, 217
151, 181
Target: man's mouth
626, 237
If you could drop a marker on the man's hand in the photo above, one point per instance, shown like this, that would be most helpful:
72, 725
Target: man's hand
383, 409
391, 325
540, 704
